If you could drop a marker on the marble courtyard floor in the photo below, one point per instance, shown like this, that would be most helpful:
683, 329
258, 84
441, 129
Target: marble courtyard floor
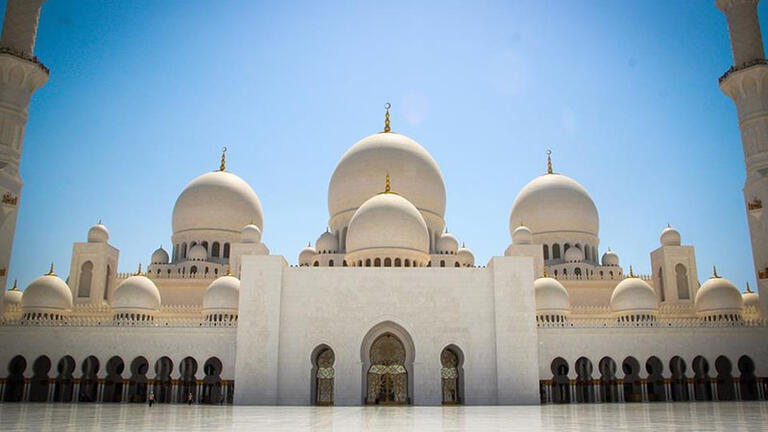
735, 416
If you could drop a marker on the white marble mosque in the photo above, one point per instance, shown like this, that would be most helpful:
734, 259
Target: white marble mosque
218, 319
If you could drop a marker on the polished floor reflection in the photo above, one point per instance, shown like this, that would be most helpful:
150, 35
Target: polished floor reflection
735, 416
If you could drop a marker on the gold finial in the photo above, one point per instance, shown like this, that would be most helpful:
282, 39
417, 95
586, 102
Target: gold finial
50, 272
223, 166
549, 161
631, 274
229, 270
714, 272
544, 272
16, 288
387, 106
387, 184
138, 273
749, 291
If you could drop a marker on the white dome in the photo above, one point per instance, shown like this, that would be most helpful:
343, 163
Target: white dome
610, 258
223, 294
98, 234
670, 237
326, 243
359, 174
574, 254
217, 200
12, 298
47, 294
522, 235
447, 244
250, 234
137, 293
306, 255
197, 253
718, 295
387, 221
466, 257
160, 256
554, 203
551, 296
634, 295
749, 299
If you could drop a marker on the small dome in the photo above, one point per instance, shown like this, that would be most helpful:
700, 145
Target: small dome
749, 299
670, 237
574, 254
447, 244
465, 256
197, 253
250, 234
222, 295
387, 221
306, 255
522, 235
634, 295
718, 296
98, 234
47, 294
12, 297
551, 296
137, 293
326, 243
160, 256
610, 258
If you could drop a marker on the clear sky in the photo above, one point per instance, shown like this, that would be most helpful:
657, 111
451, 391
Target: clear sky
143, 94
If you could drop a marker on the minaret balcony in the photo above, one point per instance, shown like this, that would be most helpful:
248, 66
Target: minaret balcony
737, 68
755, 207
31, 59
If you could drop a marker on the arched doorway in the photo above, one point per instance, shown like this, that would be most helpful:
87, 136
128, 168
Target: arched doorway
65, 382
187, 380
725, 390
163, 387
451, 375
212, 381
655, 381
387, 376
323, 375
38, 389
747, 380
584, 389
89, 383
702, 391
14, 384
137, 383
113, 384
678, 381
609, 391
561, 385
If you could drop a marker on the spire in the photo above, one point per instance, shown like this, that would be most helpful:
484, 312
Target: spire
138, 273
714, 272
50, 272
387, 129
631, 274
223, 166
387, 182
544, 272
549, 161
16, 288
749, 291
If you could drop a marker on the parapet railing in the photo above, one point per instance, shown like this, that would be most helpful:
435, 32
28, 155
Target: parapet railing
745, 65
29, 58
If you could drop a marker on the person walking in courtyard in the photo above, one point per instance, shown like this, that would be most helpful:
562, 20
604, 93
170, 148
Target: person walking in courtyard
151, 399
190, 398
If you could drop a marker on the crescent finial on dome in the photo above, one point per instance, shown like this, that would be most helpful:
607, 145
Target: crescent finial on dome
631, 274
16, 288
50, 272
544, 272
749, 291
223, 166
549, 161
387, 129
138, 273
229, 270
714, 273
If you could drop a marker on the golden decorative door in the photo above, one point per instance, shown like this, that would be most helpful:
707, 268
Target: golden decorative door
387, 376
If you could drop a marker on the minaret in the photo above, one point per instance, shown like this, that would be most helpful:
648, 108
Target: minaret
746, 82
20, 75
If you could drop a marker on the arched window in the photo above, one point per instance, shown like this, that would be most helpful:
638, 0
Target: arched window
682, 282
108, 277
183, 250
86, 274
205, 245
398, 262
368, 262
555, 251
577, 272
546, 252
215, 249
407, 262
193, 270
330, 263
566, 247
661, 284
316, 264
456, 264
442, 263
377, 262
226, 250
387, 262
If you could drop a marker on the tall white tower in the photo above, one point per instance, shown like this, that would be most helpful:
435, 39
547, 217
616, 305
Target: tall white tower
746, 82
20, 75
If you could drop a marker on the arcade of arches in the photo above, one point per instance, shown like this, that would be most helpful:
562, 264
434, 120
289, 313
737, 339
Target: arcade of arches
674, 384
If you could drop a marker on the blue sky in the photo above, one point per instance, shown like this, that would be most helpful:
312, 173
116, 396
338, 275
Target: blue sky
143, 94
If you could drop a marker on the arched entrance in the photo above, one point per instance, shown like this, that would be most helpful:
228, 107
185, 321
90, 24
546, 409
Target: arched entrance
451, 375
323, 375
387, 376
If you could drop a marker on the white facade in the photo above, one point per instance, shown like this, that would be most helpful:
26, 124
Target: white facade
386, 308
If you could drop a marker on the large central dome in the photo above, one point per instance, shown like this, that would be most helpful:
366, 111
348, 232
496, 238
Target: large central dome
554, 203
359, 174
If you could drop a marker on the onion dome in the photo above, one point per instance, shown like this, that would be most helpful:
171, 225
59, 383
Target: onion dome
388, 225
217, 200
465, 256
522, 235
554, 203
197, 253
47, 294
551, 297
749, 299
306, 255
633, 296
447, 244
326, 243
136, 295
670, 237
98, 234
574, 254
610, 259
12, 298
222, 297
160, 256
358, 175
250, 234
718, 297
